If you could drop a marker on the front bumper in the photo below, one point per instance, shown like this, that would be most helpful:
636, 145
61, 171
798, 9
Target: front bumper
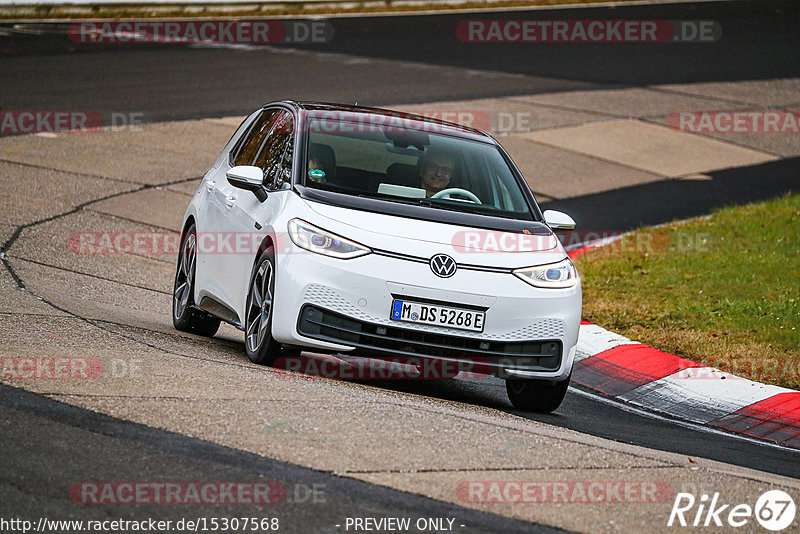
334, 305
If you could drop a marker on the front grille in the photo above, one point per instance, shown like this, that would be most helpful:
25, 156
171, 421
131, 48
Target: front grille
381, 340
329, 299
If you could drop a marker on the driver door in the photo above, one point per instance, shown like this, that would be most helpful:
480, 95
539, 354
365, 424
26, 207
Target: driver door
251, 219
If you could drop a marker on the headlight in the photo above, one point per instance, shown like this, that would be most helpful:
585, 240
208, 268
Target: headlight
552, 275
309, 237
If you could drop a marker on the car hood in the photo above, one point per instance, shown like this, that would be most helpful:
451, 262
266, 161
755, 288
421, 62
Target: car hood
401, 235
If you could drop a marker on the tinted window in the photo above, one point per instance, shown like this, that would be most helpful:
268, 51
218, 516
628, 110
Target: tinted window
275, 157
284, 175
247, 148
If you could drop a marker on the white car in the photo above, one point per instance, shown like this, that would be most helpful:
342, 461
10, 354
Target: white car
361, 231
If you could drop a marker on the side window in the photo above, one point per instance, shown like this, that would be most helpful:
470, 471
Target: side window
275, 157
284, 174
247, 148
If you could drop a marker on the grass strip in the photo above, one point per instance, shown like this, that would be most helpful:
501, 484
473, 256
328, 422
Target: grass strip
722, 290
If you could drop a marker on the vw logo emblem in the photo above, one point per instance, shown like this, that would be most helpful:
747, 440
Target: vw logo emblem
443, 265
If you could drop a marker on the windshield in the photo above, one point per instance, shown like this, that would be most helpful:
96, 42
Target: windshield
412, 167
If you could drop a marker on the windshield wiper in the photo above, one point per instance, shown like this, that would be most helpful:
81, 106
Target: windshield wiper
391, 198
448, 207
475, 209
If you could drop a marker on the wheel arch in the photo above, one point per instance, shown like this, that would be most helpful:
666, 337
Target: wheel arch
268, 241
188, 224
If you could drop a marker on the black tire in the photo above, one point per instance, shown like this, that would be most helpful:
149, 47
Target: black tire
185, 317
542, 396
259, 344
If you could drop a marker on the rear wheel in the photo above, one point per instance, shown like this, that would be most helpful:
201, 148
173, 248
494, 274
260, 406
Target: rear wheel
541, 396
184, 316
259, 344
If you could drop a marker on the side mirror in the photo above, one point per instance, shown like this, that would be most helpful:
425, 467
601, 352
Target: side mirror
558, 220
249, 178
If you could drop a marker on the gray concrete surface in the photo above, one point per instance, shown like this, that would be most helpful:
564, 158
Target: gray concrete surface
650, 148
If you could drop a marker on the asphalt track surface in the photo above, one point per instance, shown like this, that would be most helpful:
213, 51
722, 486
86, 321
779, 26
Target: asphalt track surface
180, 82
759, 41
91, 446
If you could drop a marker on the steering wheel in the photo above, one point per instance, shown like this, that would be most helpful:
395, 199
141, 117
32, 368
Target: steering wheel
448, 193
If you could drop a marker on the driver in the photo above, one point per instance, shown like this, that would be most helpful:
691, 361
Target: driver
436, 171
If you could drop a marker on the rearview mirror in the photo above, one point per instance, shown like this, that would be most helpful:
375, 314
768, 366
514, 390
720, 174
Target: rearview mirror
405, 139
558, 220
248, 177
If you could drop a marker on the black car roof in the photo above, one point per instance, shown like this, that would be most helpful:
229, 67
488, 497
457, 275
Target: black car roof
412, 120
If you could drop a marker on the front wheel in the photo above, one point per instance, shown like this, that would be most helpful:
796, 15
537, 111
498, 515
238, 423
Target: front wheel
542, 396
261, 348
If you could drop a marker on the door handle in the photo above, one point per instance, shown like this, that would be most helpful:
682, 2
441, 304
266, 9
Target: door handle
230, 201
210, 185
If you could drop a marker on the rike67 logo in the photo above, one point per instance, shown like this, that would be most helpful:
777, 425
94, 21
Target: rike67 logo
774, 510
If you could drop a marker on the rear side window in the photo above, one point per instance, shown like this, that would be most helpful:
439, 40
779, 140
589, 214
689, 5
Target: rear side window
247, 148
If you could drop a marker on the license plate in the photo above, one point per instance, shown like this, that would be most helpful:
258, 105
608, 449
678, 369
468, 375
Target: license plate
417, 312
